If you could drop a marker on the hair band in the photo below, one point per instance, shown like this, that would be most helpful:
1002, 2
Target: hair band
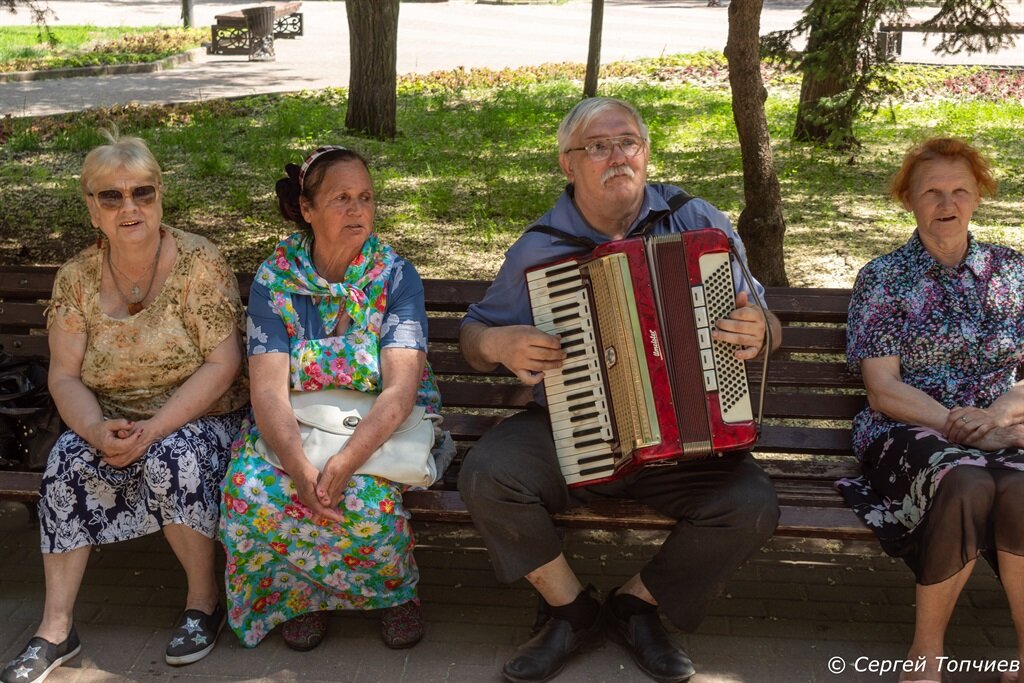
316, 154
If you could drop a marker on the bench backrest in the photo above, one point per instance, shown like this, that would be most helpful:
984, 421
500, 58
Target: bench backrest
811, 397
804, 446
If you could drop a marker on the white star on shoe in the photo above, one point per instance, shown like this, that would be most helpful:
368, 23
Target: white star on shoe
180, 640
192, 625
22, 672
199, 639
31, 653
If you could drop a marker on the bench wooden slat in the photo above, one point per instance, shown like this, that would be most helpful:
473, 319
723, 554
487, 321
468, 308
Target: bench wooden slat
825, 441
281, 9
25, 344
813, 339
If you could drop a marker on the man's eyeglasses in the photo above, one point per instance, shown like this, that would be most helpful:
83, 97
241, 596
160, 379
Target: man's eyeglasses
143, 195
599, 150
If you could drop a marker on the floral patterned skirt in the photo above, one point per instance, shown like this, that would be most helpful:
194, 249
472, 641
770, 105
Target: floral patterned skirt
281, 562
902, 473
84, 502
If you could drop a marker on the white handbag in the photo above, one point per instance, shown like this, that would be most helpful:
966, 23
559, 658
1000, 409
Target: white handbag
328, 418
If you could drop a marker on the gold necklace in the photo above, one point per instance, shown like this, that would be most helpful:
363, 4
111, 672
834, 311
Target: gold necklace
137, 297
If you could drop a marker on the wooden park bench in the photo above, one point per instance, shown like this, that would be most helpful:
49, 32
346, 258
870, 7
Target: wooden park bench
890, 36
230, 35
804, 446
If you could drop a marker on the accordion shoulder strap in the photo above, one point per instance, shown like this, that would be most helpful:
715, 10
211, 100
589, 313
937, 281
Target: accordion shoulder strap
675, 202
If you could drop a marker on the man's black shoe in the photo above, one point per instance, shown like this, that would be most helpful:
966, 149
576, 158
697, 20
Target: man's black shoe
543, 656
652, 648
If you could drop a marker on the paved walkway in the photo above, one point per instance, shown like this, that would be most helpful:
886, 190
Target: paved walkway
784, 616
431, 36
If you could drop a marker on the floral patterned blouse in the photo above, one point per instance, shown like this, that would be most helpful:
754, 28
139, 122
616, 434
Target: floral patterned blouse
134, 364
958, 331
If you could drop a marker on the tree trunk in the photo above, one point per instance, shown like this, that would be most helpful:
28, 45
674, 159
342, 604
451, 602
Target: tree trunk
594, 53
373, 50
187, 19
761, 225
828, 101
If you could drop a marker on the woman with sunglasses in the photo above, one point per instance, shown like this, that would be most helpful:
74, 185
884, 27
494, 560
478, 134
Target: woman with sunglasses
146, 371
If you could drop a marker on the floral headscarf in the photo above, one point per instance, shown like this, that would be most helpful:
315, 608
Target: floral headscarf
290, 270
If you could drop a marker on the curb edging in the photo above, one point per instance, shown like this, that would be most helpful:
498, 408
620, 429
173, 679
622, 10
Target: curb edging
101, 70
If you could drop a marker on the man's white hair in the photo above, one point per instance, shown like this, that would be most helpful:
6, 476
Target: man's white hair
587, 110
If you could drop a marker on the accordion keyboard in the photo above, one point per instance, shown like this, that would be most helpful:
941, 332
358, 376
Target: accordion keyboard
580, 420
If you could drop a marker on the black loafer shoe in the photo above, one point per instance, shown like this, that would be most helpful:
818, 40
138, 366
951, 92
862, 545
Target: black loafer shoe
543, 656
39, 658
653, 650
194, 636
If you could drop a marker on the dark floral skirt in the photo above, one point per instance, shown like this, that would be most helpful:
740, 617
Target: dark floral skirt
84, 502
902, 473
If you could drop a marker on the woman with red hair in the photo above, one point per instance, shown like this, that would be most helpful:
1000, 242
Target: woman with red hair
936, 328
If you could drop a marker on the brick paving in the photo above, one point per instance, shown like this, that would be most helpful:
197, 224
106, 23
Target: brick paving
791, 608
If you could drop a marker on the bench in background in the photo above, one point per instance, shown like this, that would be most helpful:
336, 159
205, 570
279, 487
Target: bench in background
890, 36
230, 35
804, 446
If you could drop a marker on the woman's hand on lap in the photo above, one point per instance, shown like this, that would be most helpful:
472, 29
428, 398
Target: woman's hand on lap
333, 481
306, 484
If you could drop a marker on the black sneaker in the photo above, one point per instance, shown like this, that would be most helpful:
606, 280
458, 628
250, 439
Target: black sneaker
194, 636
39, 658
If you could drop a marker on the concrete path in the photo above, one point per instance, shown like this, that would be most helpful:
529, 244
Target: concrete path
786, 617
432, 36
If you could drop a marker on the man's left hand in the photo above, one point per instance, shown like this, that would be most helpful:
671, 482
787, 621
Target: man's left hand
743, 327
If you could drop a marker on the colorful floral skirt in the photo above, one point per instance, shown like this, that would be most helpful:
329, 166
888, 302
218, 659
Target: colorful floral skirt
902, 473
84, 502
281, 562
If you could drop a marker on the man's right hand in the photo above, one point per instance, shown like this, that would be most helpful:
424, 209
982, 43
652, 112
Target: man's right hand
526, 351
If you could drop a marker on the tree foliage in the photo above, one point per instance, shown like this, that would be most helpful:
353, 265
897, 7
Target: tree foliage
846, 62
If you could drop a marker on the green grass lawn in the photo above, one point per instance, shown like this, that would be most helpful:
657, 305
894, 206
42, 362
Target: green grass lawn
25, 48
475, 162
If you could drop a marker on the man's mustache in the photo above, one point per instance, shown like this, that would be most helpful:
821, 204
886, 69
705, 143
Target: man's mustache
616, 170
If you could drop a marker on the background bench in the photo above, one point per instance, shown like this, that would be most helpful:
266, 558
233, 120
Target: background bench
805, 444
230, 36
890, 36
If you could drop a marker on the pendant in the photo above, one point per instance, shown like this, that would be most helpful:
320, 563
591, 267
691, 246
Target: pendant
136, 292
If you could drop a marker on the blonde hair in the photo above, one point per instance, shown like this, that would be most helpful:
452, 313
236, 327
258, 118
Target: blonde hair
130, 153
949, 149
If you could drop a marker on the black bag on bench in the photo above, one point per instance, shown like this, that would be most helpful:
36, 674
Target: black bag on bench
29, 421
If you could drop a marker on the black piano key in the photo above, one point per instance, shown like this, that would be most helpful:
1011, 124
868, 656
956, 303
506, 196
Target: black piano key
572, 398
596, 470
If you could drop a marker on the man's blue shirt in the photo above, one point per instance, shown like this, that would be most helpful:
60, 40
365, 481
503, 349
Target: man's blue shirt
507, 301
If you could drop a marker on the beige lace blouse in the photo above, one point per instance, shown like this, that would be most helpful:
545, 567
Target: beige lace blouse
134, 364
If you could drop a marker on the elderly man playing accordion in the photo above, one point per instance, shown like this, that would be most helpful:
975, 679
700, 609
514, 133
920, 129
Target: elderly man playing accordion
725, 506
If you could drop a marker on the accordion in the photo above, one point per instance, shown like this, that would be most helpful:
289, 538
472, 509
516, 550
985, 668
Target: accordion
643, 381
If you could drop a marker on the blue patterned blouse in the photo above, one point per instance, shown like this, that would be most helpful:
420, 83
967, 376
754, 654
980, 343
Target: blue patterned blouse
959, 332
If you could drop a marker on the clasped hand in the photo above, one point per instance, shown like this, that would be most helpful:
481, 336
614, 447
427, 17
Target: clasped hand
121, 442
988, 429
322, 491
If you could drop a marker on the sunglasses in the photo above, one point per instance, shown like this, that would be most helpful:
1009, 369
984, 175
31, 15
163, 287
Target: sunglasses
143, 195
